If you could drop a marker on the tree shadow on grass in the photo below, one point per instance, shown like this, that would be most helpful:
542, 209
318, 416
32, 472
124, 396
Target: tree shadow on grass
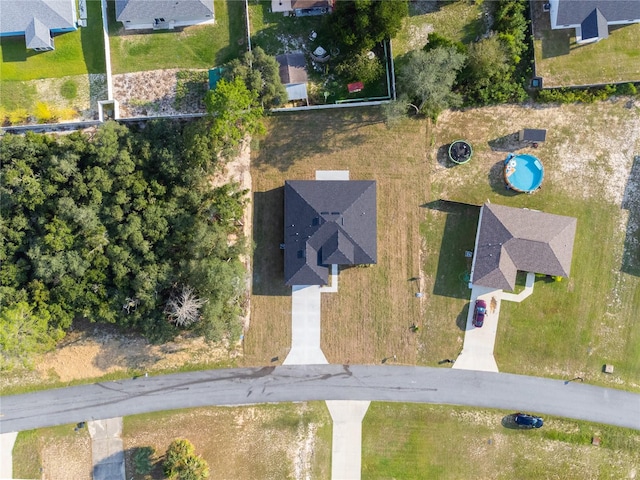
268, 259
631, 202
297, 137
458, 237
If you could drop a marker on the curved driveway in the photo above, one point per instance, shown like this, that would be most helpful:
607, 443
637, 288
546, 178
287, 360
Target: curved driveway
319, 382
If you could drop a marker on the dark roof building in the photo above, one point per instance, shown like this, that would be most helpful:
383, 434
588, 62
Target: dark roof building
591, 18
327, 222
37, 20
511, 239
293, 74
163, 14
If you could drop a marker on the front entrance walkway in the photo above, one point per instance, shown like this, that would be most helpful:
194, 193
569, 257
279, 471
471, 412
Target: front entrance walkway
346, 451
107, 449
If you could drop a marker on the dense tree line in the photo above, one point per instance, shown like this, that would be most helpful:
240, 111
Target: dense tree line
116, 229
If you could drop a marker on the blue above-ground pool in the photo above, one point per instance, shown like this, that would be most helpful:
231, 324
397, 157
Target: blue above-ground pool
523, 173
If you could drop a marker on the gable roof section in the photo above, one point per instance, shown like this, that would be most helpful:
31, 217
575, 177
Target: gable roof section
594, 26
327, 222
574, 12
512, 239
17, 16
148, 9
37, 35
293, 68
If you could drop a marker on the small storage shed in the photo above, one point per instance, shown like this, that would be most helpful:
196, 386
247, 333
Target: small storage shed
532, 135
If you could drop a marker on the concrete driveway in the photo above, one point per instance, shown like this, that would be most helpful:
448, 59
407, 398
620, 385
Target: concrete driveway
477, 351
305, 327
107, 449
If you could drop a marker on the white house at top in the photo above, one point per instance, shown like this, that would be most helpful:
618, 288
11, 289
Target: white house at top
163, 14
591, 18
37, 20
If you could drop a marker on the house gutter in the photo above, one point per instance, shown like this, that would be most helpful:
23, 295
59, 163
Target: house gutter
475, 248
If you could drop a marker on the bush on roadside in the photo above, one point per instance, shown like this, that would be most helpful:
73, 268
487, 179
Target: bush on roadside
585, 95
18, 116
44, 113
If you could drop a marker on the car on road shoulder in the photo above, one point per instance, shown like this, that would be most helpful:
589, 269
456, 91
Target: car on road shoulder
479, 312
524, 420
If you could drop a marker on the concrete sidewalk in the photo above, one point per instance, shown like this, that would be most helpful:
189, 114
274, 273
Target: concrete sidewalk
305, 327
107, 449
6, 454
346, 449
528, 290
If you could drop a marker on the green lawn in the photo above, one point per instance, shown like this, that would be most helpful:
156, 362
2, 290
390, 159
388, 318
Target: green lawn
565, 329
202, 46
561, 62
262, 441
55, 452
75, 53
412, 441
458, 21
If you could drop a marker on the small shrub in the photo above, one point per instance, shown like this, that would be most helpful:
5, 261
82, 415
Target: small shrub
626, 89
44, 113
18, 116
142, 460
65, 113
361, 68
69, 89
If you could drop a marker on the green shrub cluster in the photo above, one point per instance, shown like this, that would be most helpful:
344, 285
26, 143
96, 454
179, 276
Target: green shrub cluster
585, 95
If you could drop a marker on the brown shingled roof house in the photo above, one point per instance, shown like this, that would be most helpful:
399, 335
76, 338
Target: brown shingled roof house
511, 239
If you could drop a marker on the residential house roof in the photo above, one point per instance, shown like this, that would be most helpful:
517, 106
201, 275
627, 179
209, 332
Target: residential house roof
293, 68
574, 12
169, 9
17, 16
511, 239
594, 26
327, 222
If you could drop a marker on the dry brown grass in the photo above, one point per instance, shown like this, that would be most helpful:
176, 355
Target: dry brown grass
370, 316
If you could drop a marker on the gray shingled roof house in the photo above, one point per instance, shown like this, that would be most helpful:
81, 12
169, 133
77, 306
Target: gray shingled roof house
591, 18
163, 14
510, 239
327, 222
37, 20
293, 74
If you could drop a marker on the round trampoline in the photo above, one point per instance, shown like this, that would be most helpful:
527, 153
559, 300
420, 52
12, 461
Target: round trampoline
460, 152
523, 173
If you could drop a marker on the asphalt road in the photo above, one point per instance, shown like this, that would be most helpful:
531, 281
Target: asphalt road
319, 382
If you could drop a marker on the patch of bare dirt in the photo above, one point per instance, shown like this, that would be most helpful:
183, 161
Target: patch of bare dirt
67, 458
152, 93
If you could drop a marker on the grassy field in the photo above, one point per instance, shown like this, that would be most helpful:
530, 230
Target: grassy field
57, 452
412, 441
199, 46
76, 53
564, 329
458, 21
266, 441
370, 317
570, 328
562, 62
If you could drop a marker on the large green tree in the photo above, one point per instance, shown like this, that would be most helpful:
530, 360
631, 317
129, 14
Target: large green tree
359, 24
261, 74
427, 78
233, 114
